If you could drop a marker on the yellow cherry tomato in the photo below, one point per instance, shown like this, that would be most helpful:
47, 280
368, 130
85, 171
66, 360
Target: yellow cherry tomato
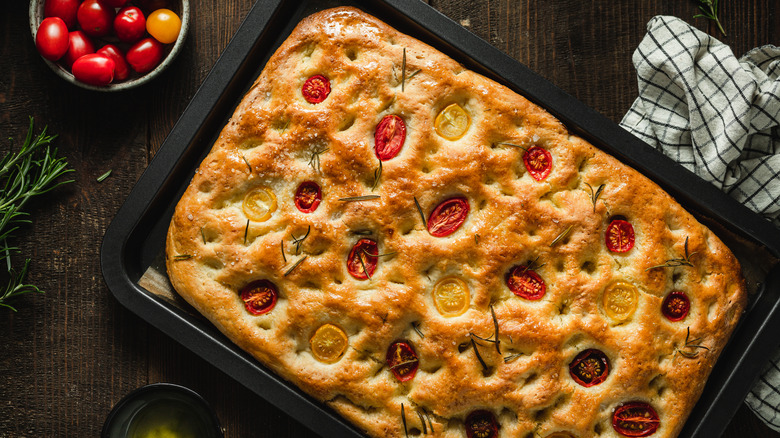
164, 25
259, 203
620, 301
329, 343
452, 122
451, 296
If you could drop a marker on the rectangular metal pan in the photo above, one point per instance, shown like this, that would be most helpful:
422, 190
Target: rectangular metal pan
136, 236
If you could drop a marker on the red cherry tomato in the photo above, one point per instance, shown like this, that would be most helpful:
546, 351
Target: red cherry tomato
121, 69
526, 283
481, 424
94, 69
259, 297
362, 260
64, 9
635, 419
402, 360
538, 161
316, 89
448, 216
115, 3
78, 45
308, 196
389, 137
129, 24
675, 306
145, 55
51, 39
619, 236
589, 368
95, 18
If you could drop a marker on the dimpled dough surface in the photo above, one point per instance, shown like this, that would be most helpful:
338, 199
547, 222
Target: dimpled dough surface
556, 227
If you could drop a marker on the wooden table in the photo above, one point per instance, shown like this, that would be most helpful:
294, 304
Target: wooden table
69, 355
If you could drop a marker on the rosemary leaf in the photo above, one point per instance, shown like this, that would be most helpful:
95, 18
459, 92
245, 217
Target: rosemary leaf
495, 327
709, 9
281, 244
246, 231
417, 329
359, 198
203, 235
512, 357
479, 356
403, 420
180, 257
422, 420
299, 241
419, 210
403, 71
503, 143
102, 177
561, 236
377, 176
247, 163
292, 268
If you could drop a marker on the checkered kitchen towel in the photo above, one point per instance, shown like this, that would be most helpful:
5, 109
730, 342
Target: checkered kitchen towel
718, 116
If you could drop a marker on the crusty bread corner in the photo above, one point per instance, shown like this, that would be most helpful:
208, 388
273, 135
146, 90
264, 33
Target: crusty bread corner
277, 139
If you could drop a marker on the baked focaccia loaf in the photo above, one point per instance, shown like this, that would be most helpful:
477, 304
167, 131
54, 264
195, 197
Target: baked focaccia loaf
427, 252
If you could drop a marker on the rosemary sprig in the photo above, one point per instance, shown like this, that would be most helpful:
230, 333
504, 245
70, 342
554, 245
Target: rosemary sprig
314, 160
377, 176
430, 422
561, 236
16, 286
292, 268
709, 9
180, 257
692, 345
359, 198
685, 260
103, 177
419, 210
594, 195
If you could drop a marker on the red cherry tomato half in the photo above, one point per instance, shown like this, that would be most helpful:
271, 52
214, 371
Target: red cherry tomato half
95, 18
259, 297
145, 55
481, 424
402, 360
620, 236
675, 306
316, 89
363, 259
51, 39
589, 368
64, 9
526, 283
448, 216
130, 24
538, 161
121, 69
635, 419
308, 196
389, 137
78, 45
94, 69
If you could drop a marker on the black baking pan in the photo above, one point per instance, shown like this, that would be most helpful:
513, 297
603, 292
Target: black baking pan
136, 237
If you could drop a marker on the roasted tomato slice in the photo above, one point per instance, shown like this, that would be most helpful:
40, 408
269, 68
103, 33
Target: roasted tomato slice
259, 203
363, 259
620, 301
329, 343
389, 137
402, 360
481, 424
635, 419
448, 216
676, 306
525, 283
538, 161
316, 89
620, 236
308, 196
259, 297
452, 122
589, 368
451, 296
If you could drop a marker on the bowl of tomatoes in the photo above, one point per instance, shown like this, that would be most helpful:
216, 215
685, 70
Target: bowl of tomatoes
109, 45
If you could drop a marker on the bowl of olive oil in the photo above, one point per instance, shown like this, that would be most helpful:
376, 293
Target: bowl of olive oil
162, 410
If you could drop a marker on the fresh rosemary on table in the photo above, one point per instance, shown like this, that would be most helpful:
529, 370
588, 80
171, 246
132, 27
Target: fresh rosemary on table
709, 10
31, 171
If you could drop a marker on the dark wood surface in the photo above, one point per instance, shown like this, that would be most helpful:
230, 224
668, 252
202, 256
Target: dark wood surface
67, 356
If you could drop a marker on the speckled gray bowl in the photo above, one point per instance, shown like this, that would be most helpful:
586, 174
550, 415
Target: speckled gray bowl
135, 80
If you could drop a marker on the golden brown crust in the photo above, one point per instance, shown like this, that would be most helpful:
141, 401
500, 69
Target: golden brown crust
273, 140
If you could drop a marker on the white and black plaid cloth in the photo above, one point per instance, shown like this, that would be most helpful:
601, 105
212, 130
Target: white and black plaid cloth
719, 117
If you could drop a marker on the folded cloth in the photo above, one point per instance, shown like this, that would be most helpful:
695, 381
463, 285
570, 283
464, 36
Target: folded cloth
717, 116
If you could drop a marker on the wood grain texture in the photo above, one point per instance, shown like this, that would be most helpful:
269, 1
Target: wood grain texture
67, 356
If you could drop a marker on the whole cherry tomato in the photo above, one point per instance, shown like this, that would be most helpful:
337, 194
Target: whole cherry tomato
129, 24
164, 25
78, 45
64, 9
95, 18
51, 39
145, 55
94, 69
121, 69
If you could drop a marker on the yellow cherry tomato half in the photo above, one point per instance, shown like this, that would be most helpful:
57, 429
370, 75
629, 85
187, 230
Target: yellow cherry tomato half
329, 343
164, 25
259, 203
452, 122
451, 296
620, 301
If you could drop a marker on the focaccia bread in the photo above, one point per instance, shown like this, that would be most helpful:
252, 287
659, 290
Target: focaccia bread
429, 253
